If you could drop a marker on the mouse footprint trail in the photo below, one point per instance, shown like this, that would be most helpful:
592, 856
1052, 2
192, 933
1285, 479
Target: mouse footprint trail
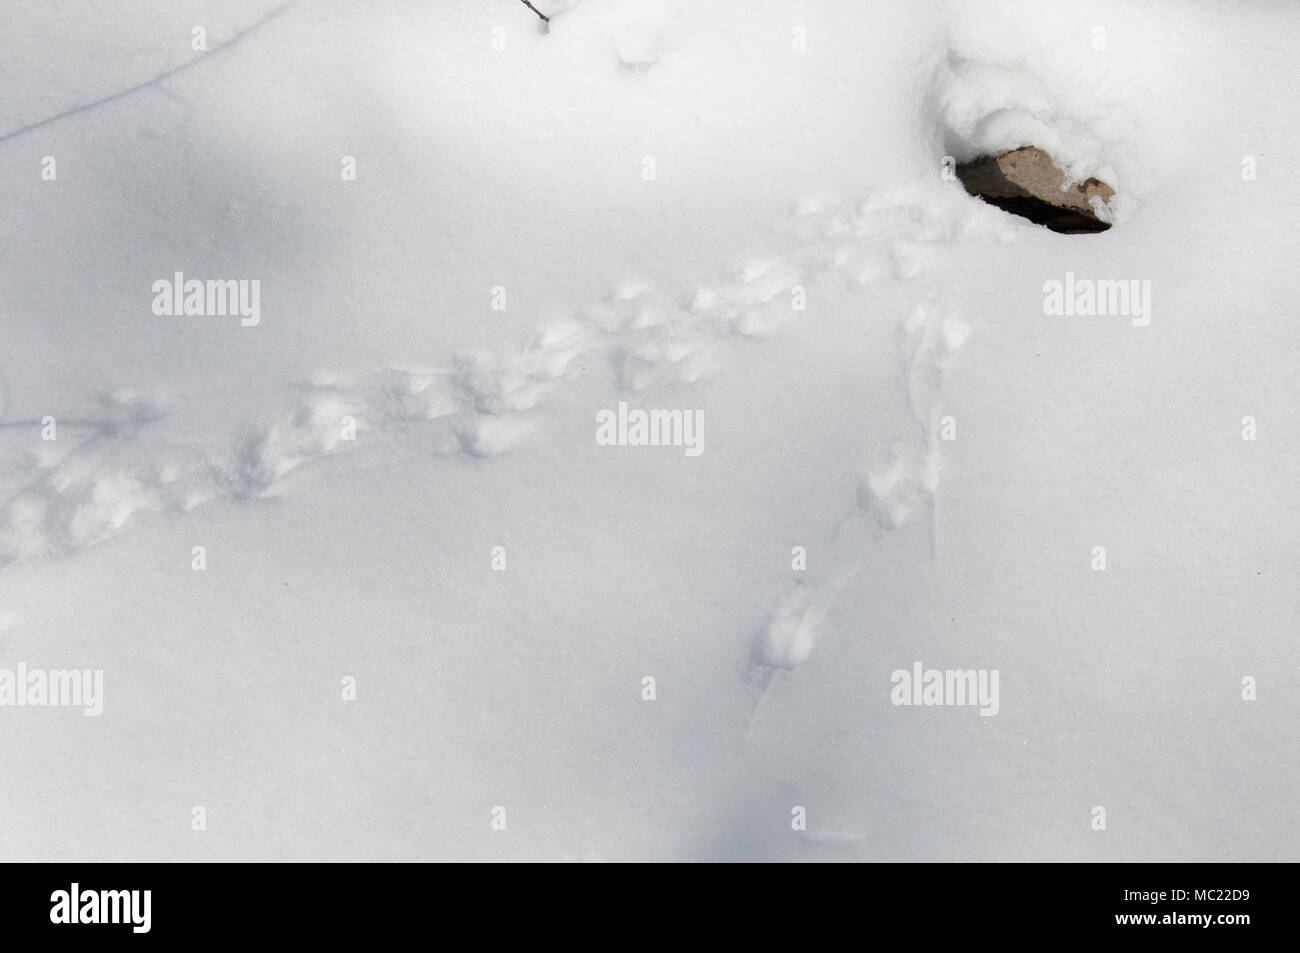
897, 237
484, 403
120, 461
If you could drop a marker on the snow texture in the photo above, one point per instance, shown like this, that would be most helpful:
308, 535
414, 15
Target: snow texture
734, 208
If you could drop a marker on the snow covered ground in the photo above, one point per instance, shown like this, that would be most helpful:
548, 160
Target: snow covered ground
737, 210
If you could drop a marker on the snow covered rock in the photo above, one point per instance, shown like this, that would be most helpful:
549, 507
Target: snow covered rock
1028, 183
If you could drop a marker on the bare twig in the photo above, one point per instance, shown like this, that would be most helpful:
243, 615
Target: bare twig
535, 10
155, 81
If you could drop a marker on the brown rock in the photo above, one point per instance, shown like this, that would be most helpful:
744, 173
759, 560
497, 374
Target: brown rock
1027, 182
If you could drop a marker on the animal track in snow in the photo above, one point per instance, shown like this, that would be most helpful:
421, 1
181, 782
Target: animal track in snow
894, 489
73, 494
76, 492
883, 237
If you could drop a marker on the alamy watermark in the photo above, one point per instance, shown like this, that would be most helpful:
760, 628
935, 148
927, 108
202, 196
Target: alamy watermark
213, 297
1128, 298
74, 905
952, 687
53, 688
651, 428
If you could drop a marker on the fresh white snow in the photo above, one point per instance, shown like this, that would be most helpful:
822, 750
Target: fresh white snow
800, 272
